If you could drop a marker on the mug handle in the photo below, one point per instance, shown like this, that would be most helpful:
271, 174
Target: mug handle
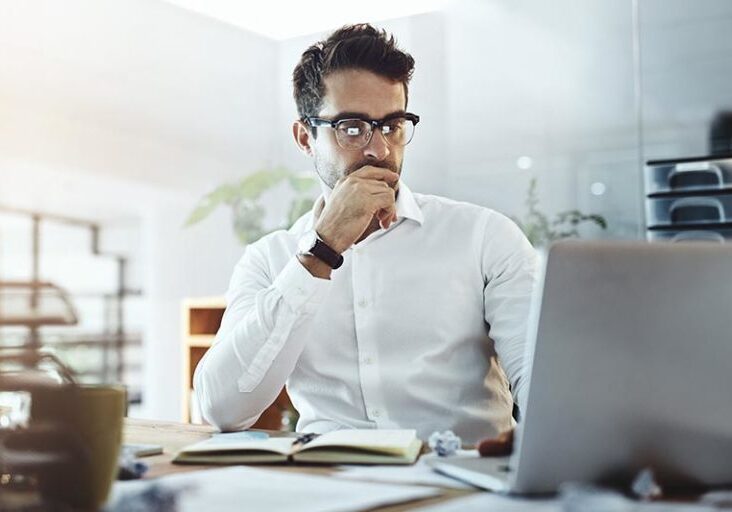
33, 358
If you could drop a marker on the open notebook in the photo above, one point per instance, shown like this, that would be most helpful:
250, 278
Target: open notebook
353, 446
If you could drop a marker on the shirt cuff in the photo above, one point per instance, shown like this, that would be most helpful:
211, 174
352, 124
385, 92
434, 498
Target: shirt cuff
301, 290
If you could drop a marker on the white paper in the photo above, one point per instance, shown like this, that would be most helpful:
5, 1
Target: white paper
418, 473
242, 488
486, 501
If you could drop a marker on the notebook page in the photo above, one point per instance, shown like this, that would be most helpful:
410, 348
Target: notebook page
382, 440
218, 445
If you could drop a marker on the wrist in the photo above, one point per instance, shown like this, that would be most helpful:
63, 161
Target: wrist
311, 244
316, 267
332, 240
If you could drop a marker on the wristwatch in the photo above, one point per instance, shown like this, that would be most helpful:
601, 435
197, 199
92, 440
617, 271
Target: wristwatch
312, 244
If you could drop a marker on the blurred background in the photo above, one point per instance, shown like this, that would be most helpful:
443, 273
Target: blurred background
121, 119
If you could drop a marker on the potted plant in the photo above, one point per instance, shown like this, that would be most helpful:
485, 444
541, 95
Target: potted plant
244, 199
541, 230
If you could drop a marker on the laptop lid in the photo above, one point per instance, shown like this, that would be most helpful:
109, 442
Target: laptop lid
632, 367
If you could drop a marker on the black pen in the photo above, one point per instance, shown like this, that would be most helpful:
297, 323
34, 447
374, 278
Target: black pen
304, 439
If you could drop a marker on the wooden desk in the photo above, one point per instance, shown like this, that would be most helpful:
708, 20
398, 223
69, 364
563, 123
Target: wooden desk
174, 436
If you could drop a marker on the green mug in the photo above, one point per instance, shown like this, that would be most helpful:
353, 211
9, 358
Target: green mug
99, 422
72, 443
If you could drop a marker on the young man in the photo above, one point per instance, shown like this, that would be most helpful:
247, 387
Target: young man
376, 308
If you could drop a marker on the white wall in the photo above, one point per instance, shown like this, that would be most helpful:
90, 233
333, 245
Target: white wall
130, 112
138, 89
554, 82
686, 72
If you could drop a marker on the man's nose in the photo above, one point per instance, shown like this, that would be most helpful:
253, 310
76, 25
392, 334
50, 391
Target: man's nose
377, 148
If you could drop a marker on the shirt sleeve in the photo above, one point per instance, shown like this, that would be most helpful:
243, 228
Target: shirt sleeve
261, 337
510, 269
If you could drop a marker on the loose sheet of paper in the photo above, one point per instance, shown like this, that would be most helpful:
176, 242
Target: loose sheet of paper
243, 488
418, 473
486, 501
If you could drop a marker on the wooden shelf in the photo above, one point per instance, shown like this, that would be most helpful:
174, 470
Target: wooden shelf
201, 321
200, 340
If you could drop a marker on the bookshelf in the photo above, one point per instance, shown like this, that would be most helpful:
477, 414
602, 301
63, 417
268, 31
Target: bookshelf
201, 320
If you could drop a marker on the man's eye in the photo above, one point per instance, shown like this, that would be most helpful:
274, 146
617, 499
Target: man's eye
392, 127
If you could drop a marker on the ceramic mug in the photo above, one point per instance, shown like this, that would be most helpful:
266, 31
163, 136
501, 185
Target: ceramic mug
72, 443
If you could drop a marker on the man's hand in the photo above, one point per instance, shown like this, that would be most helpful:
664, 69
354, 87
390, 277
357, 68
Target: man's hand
498, 446
358, 198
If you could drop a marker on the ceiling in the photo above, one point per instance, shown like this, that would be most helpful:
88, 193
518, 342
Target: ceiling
283, 19
139, 89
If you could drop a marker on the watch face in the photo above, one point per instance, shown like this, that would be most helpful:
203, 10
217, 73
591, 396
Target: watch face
306, 243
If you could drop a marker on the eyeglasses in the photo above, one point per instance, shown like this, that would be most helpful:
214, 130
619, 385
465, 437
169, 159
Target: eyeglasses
397, 130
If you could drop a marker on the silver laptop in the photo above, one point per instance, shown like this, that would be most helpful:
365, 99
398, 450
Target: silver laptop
631, 350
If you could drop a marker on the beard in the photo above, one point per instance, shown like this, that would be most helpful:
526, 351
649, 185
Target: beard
330, 174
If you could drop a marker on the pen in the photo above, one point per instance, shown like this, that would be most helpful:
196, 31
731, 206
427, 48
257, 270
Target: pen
304, 439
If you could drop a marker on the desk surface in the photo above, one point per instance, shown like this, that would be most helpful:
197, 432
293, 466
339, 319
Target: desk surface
174, 436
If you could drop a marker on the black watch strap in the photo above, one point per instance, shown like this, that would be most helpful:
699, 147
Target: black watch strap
324, 253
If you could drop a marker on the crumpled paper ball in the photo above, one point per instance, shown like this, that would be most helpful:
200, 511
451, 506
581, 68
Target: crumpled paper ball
445, 443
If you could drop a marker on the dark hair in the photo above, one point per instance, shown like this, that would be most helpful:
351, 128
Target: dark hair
351, 47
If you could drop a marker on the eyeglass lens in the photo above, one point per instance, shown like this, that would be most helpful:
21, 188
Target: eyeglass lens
356, 133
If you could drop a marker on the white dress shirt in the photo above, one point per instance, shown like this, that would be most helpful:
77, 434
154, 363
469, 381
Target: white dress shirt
397, 338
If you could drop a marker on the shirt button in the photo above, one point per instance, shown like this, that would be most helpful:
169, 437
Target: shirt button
368, 360
375, 413
362, 303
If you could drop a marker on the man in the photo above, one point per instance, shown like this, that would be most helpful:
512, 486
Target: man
376, 308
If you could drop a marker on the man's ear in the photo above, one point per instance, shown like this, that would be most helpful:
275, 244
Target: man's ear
303, 137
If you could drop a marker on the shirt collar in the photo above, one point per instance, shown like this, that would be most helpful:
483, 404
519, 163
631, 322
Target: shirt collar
406, 204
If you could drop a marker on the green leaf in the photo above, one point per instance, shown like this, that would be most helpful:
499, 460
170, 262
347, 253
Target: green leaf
298, 208
599, 220
252, 186
301, 183
202, 211
248, 217
249, 187
224, 194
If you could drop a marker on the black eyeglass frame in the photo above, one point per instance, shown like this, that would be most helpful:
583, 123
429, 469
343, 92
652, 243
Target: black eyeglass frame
315, 122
